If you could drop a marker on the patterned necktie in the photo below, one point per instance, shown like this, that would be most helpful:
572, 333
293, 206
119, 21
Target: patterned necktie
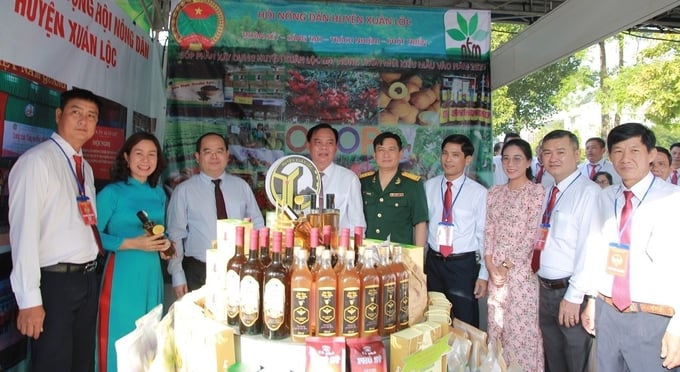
447, 216
621, 286
536, 257
219, 201
79, 168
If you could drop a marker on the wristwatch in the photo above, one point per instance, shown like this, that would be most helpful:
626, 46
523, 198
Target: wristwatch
505, 265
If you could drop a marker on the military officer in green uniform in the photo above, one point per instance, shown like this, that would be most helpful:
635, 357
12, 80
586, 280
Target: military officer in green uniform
394, 201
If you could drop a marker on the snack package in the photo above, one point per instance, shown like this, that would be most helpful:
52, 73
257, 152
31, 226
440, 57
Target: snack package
325, 354
367, 354
165, 338
136, 350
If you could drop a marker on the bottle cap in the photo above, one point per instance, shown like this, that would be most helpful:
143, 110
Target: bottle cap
254, 235
239, 235
264, 237
290, 237
276, 248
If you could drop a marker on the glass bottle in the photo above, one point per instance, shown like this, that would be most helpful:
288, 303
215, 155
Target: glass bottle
300, 299
287, 259
327, 236
358, 237
331, 217
234, 278
370, 297
360, 257
403, 277
314, 216
387, 320
275, 304
152, 228
265, 259
349, 287
313, 243
326, 294
250, 301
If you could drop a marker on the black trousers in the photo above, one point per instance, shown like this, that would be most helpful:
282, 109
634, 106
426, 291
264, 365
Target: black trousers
67, 342
566, 348
194, 270
456, 278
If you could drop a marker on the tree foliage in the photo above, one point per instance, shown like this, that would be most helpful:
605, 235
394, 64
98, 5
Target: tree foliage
529, 102
651, 84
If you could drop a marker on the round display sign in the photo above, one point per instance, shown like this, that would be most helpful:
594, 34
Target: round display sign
290, 178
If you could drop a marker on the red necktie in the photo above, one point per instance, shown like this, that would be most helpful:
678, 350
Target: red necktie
592, 170
536, 257
621, 287
447, 216
539, 174
674, 177
79, 168
219, 201
79, 173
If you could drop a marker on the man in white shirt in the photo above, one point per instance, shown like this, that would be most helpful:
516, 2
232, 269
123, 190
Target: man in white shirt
595, 161
538, 170
558, 261
632, 263
675, 163
52, 237
322, 144
661, 165
457, 215
192, 211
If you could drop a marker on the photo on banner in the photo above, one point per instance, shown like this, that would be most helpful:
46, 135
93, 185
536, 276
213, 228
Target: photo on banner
263, 74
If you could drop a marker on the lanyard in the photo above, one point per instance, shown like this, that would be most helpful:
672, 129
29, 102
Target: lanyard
448, 212
549, 215
81, 187
630, 216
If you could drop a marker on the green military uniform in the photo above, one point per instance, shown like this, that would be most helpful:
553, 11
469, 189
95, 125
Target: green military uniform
395, 210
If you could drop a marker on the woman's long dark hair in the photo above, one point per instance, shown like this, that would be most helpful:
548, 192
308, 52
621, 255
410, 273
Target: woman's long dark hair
120, 170
525, 147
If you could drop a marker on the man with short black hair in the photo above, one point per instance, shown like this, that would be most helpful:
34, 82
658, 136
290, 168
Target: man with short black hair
53, 240
394, 200
595, 160
661, 165
632, 263
322, 144
193, 213
457, 216
559, 254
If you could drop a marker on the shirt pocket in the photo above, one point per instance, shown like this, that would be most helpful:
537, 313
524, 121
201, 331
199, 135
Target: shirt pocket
564, 226
464, 222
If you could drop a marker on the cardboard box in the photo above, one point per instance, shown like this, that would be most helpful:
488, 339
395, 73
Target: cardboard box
403, 344
226, 236
202, 344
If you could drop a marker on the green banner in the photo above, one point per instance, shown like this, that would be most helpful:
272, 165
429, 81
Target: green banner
262, 74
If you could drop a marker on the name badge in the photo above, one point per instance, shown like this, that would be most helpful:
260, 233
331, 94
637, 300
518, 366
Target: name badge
86, 211
541, 237
617, 259
445, 233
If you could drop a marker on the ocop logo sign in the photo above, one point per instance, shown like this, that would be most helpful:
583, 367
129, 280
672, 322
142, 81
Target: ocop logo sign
290, 176
468, 34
